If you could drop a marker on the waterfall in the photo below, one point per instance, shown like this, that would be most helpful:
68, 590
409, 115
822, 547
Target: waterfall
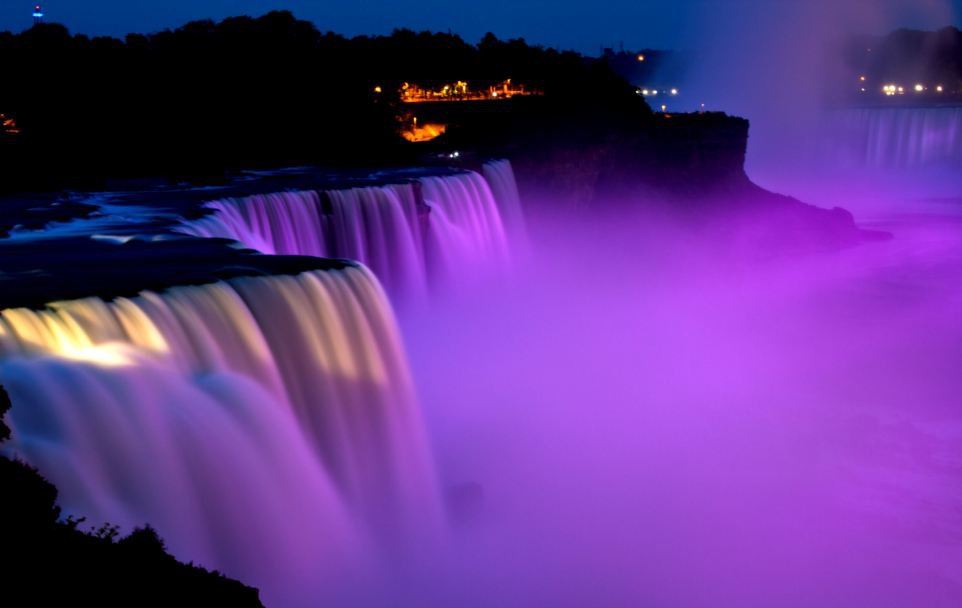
894, 138
265, 426
500, 176
466, 235
411, 235
376, 225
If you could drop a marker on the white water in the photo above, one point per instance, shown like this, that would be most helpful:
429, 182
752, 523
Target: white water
459, 228
266, 427
893, 138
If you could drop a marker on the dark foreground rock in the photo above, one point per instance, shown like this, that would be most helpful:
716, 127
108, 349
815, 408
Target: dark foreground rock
50, 562
35, 273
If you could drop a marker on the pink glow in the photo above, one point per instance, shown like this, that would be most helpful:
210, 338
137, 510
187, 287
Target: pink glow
655, 423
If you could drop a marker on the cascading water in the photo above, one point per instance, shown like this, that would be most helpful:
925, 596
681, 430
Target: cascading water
459, 226
500, 176
465, 230
376, 225
893, 138
265, 426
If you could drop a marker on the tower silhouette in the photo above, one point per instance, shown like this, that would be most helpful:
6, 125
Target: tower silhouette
37, 14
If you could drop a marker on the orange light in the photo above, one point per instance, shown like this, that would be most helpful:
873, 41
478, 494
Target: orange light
425, 133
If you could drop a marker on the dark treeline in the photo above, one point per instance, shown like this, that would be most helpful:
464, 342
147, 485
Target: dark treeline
246, 92
52, 562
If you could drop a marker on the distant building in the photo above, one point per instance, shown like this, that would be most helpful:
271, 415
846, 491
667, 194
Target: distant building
37, 14
8, 125
459, 91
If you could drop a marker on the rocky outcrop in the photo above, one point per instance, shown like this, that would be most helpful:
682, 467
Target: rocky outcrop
55, 563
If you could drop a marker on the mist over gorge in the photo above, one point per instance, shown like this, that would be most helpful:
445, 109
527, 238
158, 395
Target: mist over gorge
406, 320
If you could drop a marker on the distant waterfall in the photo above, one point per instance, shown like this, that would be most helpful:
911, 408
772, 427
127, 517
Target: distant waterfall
410, 235
265, 426
894, 138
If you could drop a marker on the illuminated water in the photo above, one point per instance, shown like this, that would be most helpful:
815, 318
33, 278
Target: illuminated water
640, 417
451, 231
656, 423
266, 427
894, 138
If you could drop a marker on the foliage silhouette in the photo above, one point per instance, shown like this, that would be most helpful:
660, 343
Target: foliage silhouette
248, 92
53, 563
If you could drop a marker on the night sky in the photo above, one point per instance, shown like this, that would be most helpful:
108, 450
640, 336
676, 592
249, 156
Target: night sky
584, 25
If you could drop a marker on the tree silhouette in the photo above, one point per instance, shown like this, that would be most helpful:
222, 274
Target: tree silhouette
53, 563
245, 92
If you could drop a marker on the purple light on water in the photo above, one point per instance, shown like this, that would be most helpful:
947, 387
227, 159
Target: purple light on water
455, 230
636, 415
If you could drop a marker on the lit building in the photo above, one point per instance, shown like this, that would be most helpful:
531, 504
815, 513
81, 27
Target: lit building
37, 14
8, 125
459, 91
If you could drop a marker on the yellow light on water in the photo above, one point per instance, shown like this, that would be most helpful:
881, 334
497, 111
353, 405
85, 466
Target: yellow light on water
103, 356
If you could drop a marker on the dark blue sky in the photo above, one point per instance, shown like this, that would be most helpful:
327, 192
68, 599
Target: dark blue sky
581, 24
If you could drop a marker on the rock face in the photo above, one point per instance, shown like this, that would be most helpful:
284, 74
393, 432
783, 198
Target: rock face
611, 154
34, 274
670, 157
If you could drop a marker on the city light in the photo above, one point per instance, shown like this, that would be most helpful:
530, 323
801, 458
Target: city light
919, 88
862, 78
459, 91
641, 57
426, 132
939, 88
674, 91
